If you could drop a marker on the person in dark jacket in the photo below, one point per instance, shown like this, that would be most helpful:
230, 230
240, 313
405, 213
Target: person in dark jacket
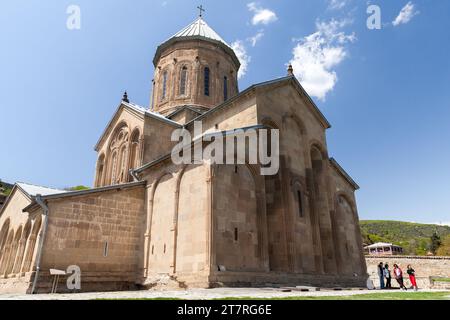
381, 274
412, 277
387, 275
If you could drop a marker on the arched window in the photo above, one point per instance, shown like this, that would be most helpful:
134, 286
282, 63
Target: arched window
207, 75
134, 155
100, 170
123, 164
164, 86
117, 160
225, 88
114, 168
183, 80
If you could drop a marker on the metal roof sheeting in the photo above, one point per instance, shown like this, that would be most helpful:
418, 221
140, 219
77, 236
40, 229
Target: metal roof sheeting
199, 28
34, 190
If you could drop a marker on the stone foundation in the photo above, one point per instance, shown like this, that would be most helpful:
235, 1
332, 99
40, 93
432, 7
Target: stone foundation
275, 279
252, 279
16, 284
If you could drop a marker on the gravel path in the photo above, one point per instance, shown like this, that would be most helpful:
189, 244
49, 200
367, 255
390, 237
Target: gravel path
191, 294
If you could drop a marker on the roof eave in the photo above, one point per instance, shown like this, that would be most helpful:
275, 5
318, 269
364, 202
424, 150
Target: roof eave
137, 112
102, 136
85, 192
172, 41
8, 199
204, 135
317, 111
344, 173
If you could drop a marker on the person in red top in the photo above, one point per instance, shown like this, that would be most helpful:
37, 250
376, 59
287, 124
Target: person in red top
398, 274
412, 277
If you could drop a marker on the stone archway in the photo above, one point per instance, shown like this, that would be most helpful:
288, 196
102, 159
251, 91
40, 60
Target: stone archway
3, 237
349, 249
321, 212
13, 252
31, 244
21, 248
161, 230
237, 233
192, 247
6, 250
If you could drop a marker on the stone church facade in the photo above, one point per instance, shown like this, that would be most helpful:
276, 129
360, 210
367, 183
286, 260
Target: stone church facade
151, 223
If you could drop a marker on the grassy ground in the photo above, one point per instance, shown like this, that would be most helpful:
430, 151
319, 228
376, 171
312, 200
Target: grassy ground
369, 296
441, 279
399, 295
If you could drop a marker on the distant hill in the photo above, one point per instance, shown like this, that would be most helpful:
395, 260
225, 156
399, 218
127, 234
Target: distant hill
413, 237
5, 188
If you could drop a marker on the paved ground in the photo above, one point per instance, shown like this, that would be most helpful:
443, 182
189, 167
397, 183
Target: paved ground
195, 294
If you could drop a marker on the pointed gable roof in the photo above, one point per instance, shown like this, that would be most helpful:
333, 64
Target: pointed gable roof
139, 111
30, 191
197, 30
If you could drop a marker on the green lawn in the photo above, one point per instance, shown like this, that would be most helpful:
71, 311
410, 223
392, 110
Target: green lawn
398, 295
441, 279
368, 296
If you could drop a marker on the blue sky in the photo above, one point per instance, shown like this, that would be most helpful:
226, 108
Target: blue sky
386, 92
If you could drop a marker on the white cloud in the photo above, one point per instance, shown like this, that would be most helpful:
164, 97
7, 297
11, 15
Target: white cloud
239, 48
261, 15
443, 223
254, 40
406, 14
315, 56
337, 4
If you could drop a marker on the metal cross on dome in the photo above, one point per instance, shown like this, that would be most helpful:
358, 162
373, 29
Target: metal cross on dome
201, 10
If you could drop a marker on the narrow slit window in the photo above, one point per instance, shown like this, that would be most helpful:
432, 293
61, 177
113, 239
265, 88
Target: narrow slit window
164, 248
225, 88
300, 203
207, 75
105, 249
183, 81
164, 86
236, 234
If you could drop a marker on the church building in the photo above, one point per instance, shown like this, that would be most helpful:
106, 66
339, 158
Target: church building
151, 223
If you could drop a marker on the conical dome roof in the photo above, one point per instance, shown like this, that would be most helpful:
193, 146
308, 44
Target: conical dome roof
200, 30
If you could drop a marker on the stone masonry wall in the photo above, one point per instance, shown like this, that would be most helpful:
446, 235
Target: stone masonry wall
100, 233
425, 267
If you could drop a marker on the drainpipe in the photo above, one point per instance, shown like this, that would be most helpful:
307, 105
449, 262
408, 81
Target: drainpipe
134, 175
44, 207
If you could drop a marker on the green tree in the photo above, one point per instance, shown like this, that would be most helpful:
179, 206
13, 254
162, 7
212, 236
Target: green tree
435, 243
77, 188
444, 248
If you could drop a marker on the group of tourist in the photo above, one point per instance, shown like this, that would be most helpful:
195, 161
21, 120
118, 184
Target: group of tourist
384, 273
